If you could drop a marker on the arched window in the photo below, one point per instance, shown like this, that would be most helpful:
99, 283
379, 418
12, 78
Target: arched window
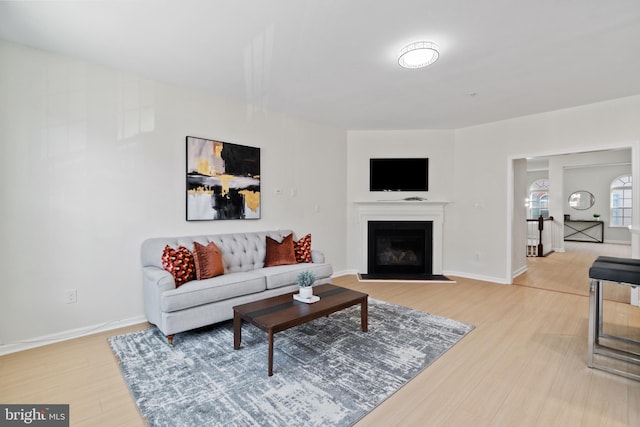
539, 199
621, 201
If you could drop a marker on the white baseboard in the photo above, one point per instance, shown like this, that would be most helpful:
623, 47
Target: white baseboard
70, 334
618, 242
345, 273
90, 330
108, 326
499, 280
519, 271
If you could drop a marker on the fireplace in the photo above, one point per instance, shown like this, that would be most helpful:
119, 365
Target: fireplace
398, 248
401, 211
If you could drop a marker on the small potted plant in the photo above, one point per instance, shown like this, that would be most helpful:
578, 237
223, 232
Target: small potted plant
597, 217
305, 282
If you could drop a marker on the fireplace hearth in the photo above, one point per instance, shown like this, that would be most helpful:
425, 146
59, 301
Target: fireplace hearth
400, 248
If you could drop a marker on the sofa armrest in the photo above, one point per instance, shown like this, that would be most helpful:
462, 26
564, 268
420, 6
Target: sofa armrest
317, 256
155, 281
159, 278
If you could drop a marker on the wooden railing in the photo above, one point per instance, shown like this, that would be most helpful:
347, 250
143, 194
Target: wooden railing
537, 235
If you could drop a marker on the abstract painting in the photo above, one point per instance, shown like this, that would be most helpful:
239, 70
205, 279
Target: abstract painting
223, 180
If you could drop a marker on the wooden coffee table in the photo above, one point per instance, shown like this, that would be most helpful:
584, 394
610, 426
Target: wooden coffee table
279, 313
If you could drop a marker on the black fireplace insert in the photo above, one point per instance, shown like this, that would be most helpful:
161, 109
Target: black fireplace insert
399, 248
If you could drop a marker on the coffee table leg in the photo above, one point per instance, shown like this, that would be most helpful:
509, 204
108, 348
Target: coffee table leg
270, 352
237, 330
364, 315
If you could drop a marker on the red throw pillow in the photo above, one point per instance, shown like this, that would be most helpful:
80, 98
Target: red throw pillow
208, 260
179, 262
280, 253
302, 248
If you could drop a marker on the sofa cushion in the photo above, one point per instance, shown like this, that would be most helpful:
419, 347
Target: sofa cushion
208, 260
280, 253
179, 262
200, 292
302, 249
284, 275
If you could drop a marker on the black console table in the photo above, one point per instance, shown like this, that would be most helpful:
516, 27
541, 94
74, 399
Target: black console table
584, 231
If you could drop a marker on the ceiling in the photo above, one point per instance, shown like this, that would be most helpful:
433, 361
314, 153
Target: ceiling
334, 62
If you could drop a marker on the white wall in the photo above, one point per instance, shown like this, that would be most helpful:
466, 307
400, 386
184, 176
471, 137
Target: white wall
473, 168
484, 156
92, 162
520, 228
437, 145
597, 180
533, 176
592, 171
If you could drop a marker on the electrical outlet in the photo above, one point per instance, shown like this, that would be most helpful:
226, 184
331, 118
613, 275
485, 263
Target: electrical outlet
71, 296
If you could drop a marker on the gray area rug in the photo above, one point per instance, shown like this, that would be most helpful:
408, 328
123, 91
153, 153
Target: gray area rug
326, 373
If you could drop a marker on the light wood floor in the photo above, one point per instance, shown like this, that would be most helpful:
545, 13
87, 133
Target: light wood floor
558, 271
523, 365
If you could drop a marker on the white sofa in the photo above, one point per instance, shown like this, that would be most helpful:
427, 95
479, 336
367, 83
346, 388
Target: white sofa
204, 302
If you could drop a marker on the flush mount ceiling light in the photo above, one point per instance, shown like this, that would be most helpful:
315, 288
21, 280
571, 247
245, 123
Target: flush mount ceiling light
418, 55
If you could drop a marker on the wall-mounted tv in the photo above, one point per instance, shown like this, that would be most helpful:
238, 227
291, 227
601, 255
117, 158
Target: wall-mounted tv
399, 174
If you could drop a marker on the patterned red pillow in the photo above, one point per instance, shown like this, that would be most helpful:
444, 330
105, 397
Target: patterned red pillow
179, 262
302, 248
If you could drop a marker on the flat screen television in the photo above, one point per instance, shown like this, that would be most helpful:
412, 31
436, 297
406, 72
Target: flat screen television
399, 174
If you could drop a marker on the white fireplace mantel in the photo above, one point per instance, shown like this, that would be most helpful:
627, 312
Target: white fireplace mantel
402, 210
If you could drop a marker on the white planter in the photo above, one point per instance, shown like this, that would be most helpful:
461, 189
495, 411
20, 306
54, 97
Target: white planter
306, 292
